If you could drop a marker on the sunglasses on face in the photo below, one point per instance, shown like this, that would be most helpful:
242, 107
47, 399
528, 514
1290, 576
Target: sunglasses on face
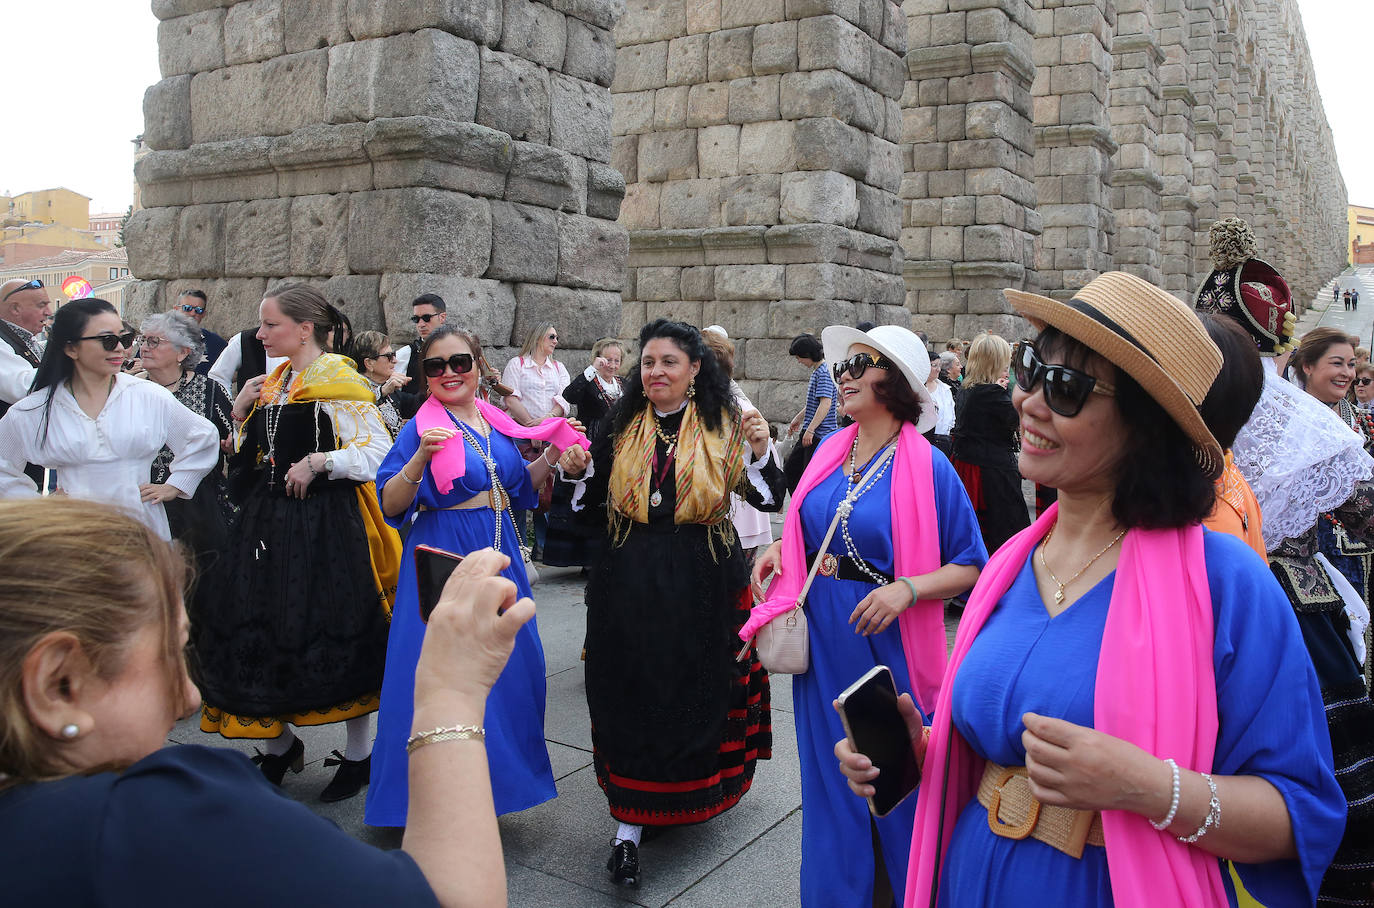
111, 341
194, 310
34, 284
460, 363
391, 356
1363, 382
416, 319
1066, 389
858, 364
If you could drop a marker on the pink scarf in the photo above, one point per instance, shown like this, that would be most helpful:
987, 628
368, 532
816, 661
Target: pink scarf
450, 462
1155, 688
915, 545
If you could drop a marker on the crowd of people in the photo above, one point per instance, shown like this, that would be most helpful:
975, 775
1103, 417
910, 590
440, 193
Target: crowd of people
1157, 694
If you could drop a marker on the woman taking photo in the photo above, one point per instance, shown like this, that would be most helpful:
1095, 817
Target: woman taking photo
457, 465
101, 429
377, 362
1125, 688
677, 723
536, 381
906, 541
985, 442
92, 680
295, 622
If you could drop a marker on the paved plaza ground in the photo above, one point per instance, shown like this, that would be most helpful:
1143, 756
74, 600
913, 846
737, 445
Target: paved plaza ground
556, 852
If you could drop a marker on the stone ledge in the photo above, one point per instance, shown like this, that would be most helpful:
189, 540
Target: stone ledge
939, 62
979, 275
1178, 93
784, 244
1077, 134
1138, 44
1003, 56
1137, 176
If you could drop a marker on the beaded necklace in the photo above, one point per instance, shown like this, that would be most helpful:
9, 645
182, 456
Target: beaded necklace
852, 494
500, 499
272, 418
670, 440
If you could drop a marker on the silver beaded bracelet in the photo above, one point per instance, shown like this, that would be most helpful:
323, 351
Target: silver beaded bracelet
1173, 804
1213, 820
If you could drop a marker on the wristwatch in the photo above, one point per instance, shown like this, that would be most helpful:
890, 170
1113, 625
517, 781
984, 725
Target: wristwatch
328, 464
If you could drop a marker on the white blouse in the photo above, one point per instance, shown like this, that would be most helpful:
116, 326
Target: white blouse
109, 457
538, 387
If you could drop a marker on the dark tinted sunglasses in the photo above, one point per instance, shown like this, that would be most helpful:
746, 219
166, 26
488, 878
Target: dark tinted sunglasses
1362, 382
195, 310
1066, 389
111, 341
460, 363
416, 319
34, 284
858, 364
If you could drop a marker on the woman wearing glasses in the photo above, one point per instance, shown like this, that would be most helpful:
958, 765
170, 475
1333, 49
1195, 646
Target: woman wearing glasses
1129, 702
100, 429
537, 380
294, 627
906, 540
377, 362
456, 470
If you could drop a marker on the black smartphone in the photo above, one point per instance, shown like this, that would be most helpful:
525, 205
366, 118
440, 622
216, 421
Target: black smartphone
432, 569
876, 729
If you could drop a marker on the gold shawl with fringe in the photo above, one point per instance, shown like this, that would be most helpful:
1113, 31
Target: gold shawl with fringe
707, 467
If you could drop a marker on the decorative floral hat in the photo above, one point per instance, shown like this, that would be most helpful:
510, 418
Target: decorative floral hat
1247, 289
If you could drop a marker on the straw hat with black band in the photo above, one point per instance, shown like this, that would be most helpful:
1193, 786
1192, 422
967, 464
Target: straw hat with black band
899, 345
1147, 333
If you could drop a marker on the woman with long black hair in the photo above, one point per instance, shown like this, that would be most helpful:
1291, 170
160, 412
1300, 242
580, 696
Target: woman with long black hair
294, 628
677, 723
99, 428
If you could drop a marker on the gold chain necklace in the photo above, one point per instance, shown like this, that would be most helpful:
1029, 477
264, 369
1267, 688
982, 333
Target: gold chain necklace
1059, 594
668, 440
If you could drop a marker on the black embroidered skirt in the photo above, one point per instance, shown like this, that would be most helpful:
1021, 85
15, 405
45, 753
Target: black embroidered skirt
677, 724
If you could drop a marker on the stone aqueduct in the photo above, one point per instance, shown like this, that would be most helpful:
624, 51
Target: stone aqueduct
772, 166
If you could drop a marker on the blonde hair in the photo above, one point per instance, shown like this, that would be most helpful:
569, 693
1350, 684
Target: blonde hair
724, 350
85, 569
989, 356
605, 342
534, 337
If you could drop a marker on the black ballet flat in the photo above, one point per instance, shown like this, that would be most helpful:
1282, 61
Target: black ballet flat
624, 864
274, 767
350, 778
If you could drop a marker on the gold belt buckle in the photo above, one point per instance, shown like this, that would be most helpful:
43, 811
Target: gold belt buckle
830, 565
1006, 830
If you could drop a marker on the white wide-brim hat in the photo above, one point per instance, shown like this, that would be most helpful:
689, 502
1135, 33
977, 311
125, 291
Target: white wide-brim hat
897, 344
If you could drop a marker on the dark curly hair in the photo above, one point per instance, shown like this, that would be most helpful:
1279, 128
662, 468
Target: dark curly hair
712, 386
1159, 483
894, 392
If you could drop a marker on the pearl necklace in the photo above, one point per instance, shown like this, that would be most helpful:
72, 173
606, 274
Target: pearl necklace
856, 489
272, 418
500, 499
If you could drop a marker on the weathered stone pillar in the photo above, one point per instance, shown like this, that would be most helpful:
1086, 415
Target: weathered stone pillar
1135, 112
759, 144
385, 150
1228, 195
1177, 149
1073, 142
1204, 19
969, 191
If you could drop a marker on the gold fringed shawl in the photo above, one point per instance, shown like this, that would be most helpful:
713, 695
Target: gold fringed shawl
334, 379
707, 467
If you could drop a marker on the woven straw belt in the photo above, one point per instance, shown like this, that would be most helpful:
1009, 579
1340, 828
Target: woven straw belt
1014, 813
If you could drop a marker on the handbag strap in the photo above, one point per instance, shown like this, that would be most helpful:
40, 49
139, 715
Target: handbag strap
834, 522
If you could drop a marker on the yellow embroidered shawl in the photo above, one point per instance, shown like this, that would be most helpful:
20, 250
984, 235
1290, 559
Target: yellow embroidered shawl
334, 378
707, 467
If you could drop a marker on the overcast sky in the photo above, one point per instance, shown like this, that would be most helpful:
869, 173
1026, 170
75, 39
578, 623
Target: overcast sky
76, 71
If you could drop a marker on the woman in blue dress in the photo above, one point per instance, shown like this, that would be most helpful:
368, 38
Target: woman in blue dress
857, 594
460, 520
1128, 704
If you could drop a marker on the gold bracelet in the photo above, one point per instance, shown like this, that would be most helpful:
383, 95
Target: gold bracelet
453, 733
414, 482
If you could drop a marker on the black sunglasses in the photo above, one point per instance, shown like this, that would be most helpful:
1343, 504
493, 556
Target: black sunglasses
1066, 389
416, 319
34, 284
460, 363
390, 356
858, 364
1364, 381
110, 341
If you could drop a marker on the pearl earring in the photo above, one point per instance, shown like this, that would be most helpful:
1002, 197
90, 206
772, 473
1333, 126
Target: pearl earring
70, 731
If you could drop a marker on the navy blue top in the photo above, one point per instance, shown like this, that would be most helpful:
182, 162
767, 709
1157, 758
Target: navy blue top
822, 384
188, 825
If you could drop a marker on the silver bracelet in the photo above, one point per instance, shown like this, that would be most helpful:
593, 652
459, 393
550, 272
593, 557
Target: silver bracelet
546, 457
1213, 820
1173, 805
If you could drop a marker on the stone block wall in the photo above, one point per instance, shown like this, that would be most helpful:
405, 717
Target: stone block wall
759, 144
384, 150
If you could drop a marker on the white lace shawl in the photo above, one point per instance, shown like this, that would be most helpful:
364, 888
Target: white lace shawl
1299, 457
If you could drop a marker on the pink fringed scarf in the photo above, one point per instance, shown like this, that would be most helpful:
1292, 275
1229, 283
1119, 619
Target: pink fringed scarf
1156, 688
450, 463
915, 545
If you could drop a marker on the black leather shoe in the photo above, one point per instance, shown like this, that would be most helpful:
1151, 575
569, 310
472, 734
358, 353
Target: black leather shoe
624, 863
274, 767
350, 778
